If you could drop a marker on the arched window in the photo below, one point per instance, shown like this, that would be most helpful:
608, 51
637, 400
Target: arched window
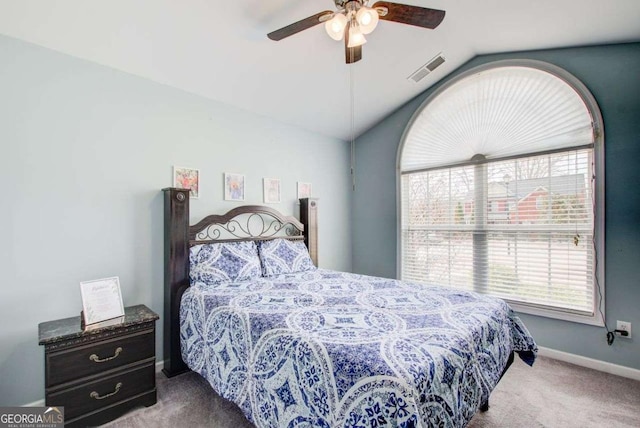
501, 173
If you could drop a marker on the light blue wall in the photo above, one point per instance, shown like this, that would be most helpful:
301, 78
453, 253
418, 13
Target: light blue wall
612, 74
84, 152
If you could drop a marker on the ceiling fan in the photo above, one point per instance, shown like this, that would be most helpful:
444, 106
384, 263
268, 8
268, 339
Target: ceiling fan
353, 19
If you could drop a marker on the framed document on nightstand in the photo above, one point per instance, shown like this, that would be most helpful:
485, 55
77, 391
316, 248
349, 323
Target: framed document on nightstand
101, 302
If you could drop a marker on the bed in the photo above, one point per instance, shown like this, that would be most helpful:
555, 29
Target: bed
295, 345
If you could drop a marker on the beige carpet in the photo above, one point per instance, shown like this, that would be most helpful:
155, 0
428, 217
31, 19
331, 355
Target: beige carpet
549, 394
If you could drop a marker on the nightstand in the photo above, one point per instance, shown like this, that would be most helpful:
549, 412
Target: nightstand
97, 375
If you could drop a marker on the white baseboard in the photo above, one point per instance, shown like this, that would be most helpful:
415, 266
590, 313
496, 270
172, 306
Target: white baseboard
40, 403
590, 363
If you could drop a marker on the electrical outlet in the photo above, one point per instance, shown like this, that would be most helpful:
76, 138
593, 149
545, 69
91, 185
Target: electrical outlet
624, 326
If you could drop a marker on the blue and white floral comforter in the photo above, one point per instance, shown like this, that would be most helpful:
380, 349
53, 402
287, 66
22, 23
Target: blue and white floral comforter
332, 349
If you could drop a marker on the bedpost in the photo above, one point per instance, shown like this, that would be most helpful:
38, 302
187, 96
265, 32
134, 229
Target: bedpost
309, 217
176, 275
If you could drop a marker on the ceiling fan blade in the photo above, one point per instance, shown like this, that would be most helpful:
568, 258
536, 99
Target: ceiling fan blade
412, 15
352, 54
296, 27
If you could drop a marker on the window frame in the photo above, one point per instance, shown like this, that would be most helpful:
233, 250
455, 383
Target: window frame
598, 189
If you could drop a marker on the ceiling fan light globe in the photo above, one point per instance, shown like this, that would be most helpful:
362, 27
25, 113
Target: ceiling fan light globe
335, 26
356, 38
367, 19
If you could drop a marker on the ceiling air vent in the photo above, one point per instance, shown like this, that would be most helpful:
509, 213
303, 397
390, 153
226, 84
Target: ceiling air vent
422, 72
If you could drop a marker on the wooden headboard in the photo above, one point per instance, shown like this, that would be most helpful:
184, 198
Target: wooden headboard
245, 223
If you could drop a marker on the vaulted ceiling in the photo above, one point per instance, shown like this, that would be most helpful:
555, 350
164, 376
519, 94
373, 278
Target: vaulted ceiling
220, 51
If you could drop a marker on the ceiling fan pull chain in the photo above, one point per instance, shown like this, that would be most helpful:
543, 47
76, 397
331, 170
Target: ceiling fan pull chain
352, 114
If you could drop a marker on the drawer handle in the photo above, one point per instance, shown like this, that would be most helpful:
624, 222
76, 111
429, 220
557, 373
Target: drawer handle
95, 358
97, 396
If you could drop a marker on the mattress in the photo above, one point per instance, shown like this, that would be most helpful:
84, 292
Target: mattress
325, 348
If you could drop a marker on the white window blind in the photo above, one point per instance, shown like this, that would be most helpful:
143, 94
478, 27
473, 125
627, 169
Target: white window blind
518, 229
498, 181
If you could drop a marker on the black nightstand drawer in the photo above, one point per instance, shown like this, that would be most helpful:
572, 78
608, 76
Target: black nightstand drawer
105, 392
98, 357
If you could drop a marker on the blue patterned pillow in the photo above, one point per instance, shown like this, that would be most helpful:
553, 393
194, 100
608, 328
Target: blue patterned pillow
280, 256
224, 262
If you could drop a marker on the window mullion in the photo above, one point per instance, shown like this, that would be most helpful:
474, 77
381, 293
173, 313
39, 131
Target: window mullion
480, 253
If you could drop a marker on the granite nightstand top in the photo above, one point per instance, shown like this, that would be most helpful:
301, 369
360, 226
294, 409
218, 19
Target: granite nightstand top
69, 328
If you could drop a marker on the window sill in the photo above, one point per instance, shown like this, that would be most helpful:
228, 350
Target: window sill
595, 319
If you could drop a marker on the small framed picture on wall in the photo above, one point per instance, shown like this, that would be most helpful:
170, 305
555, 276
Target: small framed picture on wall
271, 190
187, 178
304, 190
233, 187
